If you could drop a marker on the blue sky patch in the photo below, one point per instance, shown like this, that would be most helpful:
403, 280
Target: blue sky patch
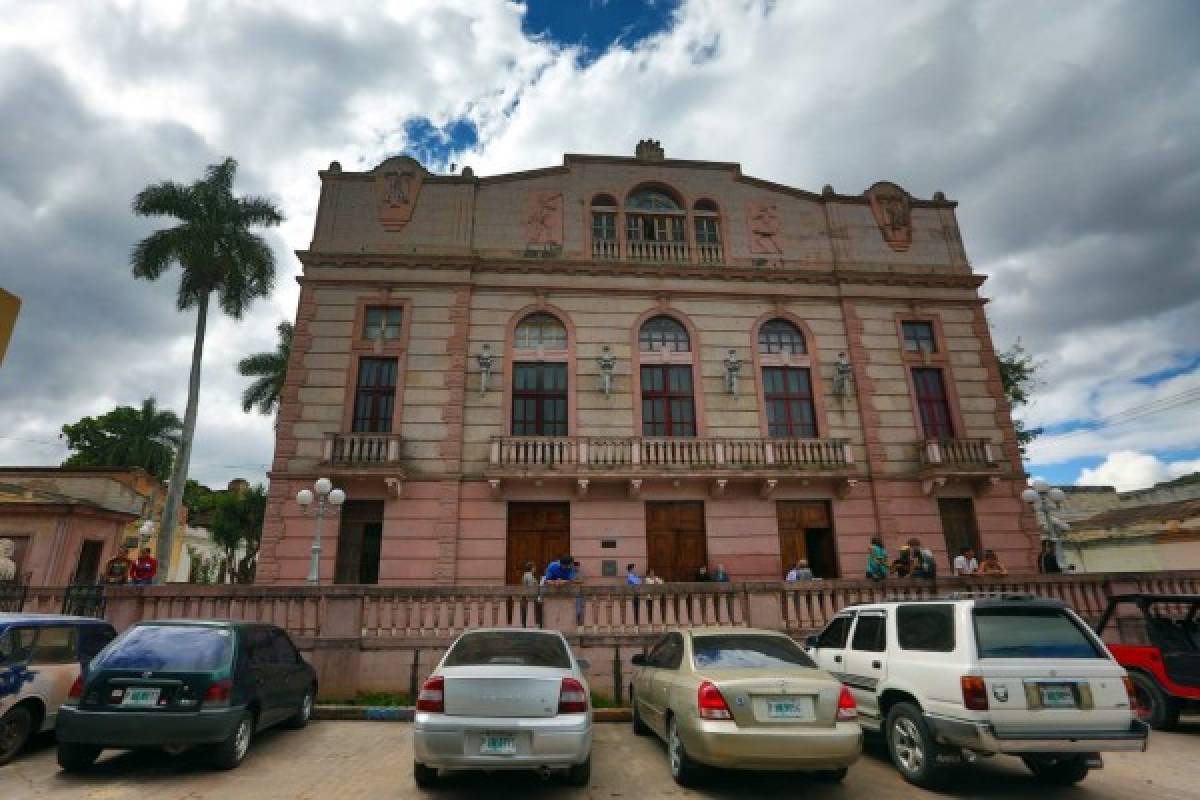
595, 25
1185, 366
433, 146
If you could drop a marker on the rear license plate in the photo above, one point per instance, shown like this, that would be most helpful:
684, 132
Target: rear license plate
141, 697
498, 744
1057, 695
798, 708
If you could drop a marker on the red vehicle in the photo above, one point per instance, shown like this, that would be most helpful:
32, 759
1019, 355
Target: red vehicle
1159, 645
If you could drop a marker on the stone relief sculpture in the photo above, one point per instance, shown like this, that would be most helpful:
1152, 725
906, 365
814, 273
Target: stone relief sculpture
892, 209
544, 224
8, 567
397, 184
762, 217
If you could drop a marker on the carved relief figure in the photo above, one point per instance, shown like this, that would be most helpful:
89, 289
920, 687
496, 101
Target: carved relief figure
544, 224
397, 185
892, 209
763, 219
8, 567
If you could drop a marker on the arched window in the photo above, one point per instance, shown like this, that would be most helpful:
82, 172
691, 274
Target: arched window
663, 332
705, 219
604, 226
705, 204
654, 226
781, 336
540, 330
651, 200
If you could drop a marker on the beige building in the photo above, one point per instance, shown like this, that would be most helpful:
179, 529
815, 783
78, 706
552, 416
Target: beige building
637, 360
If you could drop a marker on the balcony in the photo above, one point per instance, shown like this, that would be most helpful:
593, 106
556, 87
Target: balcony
361, 450
667, 252
974, 460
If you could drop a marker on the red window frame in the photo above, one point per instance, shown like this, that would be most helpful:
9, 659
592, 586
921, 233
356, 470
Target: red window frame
668, 401
788, 396
375, 395
929, 384
539, 399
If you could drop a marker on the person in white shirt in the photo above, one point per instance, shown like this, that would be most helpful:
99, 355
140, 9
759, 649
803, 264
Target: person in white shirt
800, 572
965, 562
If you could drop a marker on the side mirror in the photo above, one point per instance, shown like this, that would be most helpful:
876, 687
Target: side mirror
810, 643
584, 664
639, 660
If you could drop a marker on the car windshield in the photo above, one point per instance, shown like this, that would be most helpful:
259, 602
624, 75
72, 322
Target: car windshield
1031, 633
509, 648
747, 651
169, 648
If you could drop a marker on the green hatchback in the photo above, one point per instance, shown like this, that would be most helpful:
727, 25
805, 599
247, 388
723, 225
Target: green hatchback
181, 683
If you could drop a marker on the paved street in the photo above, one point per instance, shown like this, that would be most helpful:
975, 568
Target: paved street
373, 760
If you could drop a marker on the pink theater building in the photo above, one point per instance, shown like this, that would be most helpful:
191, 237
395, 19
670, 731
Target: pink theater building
646, 360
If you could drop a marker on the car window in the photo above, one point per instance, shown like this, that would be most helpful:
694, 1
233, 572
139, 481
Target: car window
259, 647
1031, 633
16, 645
927, 627
747, 651
656, 651
92, 639
672, 652
171, 648
282, 649
57, 644
835, 632
513, 648
870, 633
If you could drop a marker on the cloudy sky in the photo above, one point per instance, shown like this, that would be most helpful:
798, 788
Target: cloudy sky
1068, 131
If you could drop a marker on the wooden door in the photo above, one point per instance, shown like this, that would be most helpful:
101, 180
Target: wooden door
958, 525
359, 542
537, 532
806, 532
676, 546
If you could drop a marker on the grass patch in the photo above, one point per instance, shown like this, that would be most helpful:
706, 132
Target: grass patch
600, 700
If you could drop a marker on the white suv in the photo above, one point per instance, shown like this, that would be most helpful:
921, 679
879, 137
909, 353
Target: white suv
949, 680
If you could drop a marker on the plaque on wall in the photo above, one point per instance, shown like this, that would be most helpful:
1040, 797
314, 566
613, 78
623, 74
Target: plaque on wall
608, 568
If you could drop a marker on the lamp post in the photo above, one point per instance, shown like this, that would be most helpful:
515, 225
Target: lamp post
1044, 498
324, 493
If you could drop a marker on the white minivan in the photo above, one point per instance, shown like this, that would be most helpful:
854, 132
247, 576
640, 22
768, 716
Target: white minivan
967, 676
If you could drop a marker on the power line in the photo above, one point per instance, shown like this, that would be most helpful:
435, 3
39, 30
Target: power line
1136, 412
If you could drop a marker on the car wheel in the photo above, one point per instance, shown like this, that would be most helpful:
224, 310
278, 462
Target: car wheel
832, 775
683, 769
424, 776
1154, 706
304, 712
231, 752
1060, 772
640, 727
580, 774
15, 729
911, 747
76, 757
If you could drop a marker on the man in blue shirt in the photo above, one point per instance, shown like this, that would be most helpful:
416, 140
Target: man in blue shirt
631, 577
561, 571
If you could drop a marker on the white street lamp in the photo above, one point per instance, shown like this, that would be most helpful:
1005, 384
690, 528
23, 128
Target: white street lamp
1044, 498
324, 493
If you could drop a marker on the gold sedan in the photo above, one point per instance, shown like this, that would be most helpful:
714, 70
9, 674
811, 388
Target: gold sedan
745, 698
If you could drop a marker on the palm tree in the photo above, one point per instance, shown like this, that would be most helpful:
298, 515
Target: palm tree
217, 254
145, 437
269, 371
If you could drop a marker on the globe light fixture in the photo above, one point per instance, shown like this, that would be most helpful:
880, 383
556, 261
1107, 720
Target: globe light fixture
1044, 498
325, 496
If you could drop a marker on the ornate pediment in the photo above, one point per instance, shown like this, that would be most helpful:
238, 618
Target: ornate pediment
397, 184
892, 209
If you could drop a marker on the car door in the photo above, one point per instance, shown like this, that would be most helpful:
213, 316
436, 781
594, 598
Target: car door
293, 672
643, 685
262, 675
16, 676
830, 650
666, 675
866, 661
55, 666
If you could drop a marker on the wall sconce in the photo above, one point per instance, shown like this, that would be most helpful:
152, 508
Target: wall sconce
842, 372
733, 365
485, 358
608, 363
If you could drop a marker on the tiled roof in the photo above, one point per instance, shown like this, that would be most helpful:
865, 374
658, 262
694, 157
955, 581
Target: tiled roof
1140, 515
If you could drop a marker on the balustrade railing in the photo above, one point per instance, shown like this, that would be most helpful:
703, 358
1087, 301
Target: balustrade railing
959, 452
524, 452
605, 249
362, 448
710, 253
644, 250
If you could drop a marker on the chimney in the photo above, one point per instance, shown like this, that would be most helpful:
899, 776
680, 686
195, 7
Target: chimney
649, 150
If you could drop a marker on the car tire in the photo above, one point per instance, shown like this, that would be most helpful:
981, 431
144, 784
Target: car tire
304, 712
580, 774
425, 777
640, 728
911, 746
685, 771
232, 752
1161, 710
1063, 772
15, 729
832, 775
76, 757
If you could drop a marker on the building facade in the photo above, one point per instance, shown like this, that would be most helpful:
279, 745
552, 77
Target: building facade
636, 360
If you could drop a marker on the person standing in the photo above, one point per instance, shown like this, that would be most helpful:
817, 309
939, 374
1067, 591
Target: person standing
702, 575
799, 573
631, 576
1048, 559
118, 569
965, 563
924, 565
720, 575
529, 581
144, 569
991, 564
877, 560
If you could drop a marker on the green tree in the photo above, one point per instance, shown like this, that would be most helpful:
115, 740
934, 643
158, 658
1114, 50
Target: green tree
145, 437
269, 371
237, 523
217, 253
1018, 375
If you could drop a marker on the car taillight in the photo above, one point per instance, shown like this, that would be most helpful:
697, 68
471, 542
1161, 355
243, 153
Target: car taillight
218, 692
572, 699
712, 703
75, 693
974, 692
1131, 691
847, 710
432, 696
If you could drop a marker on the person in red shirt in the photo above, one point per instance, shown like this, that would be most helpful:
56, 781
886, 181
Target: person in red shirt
145, 568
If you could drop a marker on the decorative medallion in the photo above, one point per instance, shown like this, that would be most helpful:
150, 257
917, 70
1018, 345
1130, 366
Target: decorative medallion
544, 223
397, 184
762, 219
892, 208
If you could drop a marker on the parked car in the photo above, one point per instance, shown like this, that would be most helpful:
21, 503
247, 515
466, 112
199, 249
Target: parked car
949, 680
177, 684
1160, 649
505, 699
40, 657
744, 698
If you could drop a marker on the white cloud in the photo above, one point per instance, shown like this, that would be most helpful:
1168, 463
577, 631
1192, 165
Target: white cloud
1130, 469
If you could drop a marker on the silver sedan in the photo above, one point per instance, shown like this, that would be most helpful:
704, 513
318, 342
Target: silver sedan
505, 699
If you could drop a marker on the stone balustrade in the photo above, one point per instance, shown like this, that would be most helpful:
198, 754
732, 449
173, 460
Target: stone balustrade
960, 452
361, 449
